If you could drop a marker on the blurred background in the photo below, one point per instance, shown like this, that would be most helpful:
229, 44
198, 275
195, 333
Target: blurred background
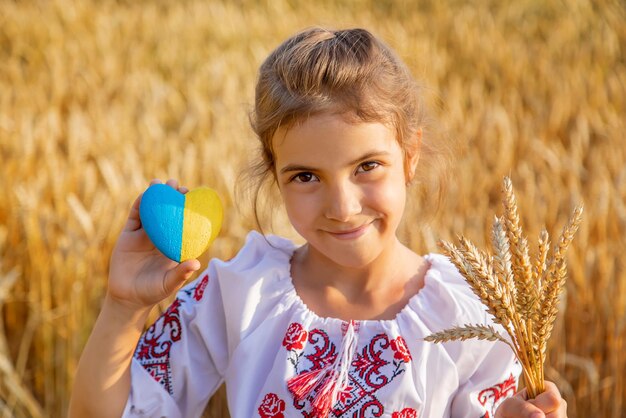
99, 97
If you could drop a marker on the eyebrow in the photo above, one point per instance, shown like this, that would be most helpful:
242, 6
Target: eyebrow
366, 156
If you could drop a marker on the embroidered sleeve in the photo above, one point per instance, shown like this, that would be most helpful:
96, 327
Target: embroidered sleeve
179, 361
494, 380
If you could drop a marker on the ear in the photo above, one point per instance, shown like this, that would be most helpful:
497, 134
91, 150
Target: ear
413, 154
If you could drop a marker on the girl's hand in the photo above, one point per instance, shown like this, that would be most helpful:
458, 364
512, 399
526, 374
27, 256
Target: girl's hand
549, 404
139, 275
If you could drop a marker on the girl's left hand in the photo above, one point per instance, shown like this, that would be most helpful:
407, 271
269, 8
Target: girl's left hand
549, 404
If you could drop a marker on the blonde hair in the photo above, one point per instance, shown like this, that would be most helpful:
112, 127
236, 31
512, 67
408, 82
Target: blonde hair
348, 72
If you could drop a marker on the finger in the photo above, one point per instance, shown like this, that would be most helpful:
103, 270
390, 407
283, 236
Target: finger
522, 394
561, 412
549, 400
177, 276
133, 222
517, 407
183, 189
173, 183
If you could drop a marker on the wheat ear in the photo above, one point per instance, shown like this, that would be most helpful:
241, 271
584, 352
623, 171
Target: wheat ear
465, 332
554, 279
522, 270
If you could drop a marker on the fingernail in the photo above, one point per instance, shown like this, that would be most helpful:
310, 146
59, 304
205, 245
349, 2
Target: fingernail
536, 415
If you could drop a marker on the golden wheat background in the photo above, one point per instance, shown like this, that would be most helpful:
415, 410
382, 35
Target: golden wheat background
98, 97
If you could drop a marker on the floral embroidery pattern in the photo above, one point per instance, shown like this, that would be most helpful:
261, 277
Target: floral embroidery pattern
492, 397
374, 366
198, 291
295, 336
405, 413
271, 406
153, 349
401, 351
294, 340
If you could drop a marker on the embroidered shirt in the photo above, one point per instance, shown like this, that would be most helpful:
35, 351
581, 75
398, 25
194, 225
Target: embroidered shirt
242, 322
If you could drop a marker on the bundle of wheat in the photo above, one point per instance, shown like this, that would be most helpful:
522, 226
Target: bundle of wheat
522, 297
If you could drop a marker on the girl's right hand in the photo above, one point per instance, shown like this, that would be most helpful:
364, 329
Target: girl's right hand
140, 276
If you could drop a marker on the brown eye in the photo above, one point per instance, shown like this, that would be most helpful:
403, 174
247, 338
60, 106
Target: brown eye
304, 178
368, 166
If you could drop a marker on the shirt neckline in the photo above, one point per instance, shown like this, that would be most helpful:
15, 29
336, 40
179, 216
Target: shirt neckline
429, 279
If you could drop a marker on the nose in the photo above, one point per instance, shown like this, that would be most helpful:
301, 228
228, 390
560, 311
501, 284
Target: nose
343, 201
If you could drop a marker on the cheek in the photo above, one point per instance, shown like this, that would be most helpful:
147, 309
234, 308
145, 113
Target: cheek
299, 208
390, 198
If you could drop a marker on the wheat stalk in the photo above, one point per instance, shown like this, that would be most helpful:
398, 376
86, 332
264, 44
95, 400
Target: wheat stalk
467, 331
521, 296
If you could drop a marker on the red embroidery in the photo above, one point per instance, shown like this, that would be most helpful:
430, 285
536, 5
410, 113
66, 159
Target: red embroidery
324, 354
405, 413
346, 394
401, 350
374, 366
294, 337
199, 289
492, 397
272, 407
369, 362
153, 349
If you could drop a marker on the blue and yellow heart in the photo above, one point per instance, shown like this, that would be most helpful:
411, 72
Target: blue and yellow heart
181, 226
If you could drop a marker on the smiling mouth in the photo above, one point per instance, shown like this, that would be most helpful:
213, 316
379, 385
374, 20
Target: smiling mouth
350, 234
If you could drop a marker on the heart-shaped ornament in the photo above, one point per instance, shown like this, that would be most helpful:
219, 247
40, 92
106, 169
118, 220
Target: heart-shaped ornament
181, 226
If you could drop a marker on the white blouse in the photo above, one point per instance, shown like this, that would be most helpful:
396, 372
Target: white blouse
242, 322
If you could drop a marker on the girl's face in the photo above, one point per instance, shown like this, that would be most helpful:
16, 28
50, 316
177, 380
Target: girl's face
343, 185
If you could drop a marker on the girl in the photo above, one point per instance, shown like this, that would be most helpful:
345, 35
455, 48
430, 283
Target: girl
331, 328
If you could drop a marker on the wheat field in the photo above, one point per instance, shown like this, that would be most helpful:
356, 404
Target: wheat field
99, 97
